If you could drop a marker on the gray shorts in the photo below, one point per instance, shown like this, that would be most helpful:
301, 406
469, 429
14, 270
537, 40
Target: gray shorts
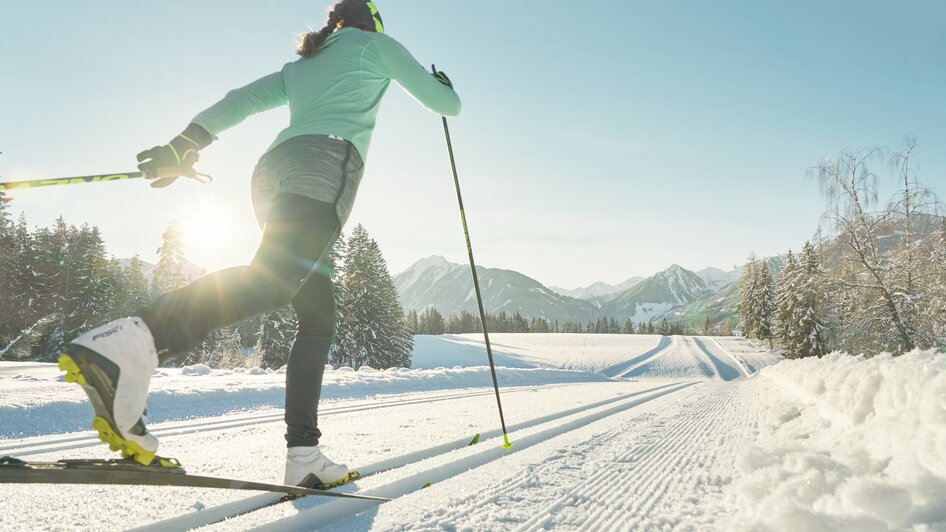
324, 168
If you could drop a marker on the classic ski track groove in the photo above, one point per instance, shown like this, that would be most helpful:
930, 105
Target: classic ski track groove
234, 509
701, 353
620, 368
714, 362
739, 362
625, 496
654, 356
190, 427
331, 513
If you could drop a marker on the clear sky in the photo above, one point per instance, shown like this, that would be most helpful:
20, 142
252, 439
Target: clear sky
598, 141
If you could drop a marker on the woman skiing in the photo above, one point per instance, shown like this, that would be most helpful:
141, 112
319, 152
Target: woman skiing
303, 188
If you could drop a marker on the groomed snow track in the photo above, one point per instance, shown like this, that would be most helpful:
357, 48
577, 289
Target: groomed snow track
28, 447
524, 435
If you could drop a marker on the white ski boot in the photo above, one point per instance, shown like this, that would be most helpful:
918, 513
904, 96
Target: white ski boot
114, 364
309, 468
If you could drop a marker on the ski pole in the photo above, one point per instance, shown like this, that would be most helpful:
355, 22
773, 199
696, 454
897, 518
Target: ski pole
13, 185
34, 183
476, 282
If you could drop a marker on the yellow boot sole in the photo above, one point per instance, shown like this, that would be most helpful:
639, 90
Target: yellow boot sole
107, 432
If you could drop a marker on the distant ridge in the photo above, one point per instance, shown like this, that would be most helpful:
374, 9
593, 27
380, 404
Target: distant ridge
435, 282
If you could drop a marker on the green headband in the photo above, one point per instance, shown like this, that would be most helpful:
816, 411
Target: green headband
378, 24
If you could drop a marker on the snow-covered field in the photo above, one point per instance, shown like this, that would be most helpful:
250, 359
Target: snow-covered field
655, 433
582, 352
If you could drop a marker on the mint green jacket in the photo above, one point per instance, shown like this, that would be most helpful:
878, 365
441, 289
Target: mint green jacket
337, 91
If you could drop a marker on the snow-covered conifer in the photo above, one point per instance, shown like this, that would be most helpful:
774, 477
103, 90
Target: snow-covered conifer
376, 331
169, 273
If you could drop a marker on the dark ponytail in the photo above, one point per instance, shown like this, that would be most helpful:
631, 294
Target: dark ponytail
354, 14
310, 43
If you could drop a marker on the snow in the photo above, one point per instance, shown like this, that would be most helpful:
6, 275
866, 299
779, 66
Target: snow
582, 352
860, 448
648, 312
689, 433
31, 405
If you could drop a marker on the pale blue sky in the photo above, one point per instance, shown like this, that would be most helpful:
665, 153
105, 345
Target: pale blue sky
599, 140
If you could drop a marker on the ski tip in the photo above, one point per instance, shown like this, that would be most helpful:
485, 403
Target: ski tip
426, 485
475, 440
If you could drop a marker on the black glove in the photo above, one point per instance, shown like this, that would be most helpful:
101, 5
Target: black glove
176, 158
441, 76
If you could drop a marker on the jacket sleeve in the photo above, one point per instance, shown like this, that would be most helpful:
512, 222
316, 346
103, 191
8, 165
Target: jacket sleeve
401, 66
263, 94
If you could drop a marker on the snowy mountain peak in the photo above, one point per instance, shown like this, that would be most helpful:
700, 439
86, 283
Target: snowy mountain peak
655, 296
599, 291
429, 270
717, 279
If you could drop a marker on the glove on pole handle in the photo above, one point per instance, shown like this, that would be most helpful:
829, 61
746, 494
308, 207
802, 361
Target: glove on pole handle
476, 282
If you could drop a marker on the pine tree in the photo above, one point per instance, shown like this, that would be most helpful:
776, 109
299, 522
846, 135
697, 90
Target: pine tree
756, 305
469, 323
9, 250
169, 273
134, 293
221, 350
786, 302
747, 306
377, 334
275, 336
432, 322
24, 298
766, 304
808, 316
91, 298
53, 284
540, 325
413, 323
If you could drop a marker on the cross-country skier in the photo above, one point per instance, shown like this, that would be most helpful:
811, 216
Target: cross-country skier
303, 188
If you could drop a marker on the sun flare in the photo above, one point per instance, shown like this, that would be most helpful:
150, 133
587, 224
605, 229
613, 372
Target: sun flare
206, 230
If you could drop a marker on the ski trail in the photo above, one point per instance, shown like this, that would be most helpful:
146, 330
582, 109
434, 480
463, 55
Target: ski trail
752, 355
743, 367
654, 356
618, 369
663, 466
673, 466
466, 459
28, 447
723, 370
682, 359
701, 353
229, 510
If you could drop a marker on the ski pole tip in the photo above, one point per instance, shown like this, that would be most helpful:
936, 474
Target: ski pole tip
506, 445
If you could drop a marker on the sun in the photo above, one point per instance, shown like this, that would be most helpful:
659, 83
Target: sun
206, 230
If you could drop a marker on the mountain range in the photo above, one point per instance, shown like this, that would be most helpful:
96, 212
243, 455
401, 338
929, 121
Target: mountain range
675, 293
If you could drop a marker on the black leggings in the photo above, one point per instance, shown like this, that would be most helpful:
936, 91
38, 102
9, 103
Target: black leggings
288, 268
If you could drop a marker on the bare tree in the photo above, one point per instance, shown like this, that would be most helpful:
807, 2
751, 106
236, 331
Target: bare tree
885, 272
850, 189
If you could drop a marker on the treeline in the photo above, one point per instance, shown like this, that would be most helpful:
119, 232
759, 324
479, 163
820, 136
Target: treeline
57, 282
879, 286
431, 322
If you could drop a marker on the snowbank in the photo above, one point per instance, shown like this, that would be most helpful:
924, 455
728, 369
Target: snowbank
863, 448
31, 406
